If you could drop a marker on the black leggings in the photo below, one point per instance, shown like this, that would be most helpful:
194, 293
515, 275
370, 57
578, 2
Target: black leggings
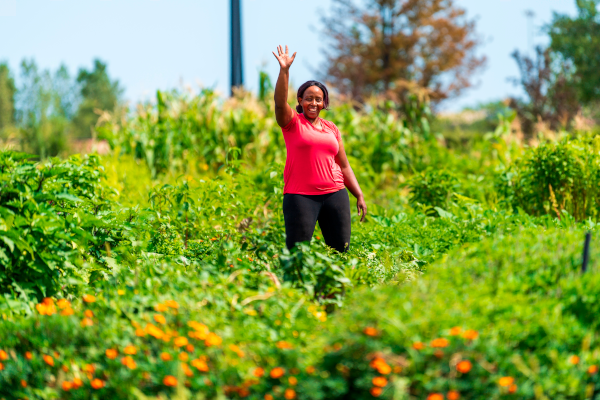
301, 213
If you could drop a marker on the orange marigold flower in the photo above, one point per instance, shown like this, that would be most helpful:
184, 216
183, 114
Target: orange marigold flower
23, 383
213, 340
258, 372
86, 322
310, 370
165, 356
464, 366
380, 381
418, 345
77, 383
183, 356
186, 370
181, 341
46, 308
131, 350
170, 380
201, 329
160, 319
289, 394
140, 332
128, 362
97, 384
435, 396
63, 303
3, 355
65, 368
236, 349
200, 365
376, 391
574, 360
28, 355
1, 366
67, 311
440, 342
470, 334
89, 368
455, 331
161, 307
49, 360
277, 372
89, 313
383, 369
453, 395
293, 380
154, 331
512, 389
506, 381
88, 298
282, 344
66, 386
172, 304
190, 347
370, 331
592, 369
267, 396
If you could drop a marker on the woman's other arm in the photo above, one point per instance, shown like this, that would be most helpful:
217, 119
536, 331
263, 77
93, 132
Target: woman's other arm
283, 111
350, 181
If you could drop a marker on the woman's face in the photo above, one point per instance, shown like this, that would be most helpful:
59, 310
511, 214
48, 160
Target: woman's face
312, 102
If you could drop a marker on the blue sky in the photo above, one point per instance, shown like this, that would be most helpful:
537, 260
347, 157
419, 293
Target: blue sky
161, 44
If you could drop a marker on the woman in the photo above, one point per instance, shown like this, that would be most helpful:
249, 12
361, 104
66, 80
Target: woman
316, 169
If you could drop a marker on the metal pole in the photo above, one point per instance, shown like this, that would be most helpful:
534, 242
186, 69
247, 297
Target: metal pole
586, 252
237, 78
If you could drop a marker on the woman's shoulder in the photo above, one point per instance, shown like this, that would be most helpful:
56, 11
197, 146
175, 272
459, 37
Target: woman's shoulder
332, 127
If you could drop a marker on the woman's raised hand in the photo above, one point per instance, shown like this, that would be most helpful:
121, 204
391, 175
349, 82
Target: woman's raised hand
285, 61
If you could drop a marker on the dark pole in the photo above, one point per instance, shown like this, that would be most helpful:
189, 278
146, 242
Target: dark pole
236, 46
586, 252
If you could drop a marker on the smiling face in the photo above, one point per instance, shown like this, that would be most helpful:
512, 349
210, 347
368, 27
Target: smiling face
312, 102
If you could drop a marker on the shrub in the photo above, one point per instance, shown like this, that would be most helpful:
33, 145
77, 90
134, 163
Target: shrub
432, 188
555, 177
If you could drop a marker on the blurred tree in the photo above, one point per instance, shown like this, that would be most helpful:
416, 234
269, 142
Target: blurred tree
7, 97
44, 105
97, 92
577, 40
388, 46
552, 97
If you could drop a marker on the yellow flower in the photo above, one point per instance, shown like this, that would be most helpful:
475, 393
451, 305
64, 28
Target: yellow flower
131, 350
154, 331
506, 381
180, 341
172, 304
213, 340
160, 319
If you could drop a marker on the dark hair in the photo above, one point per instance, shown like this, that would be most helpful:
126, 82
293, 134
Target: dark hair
318, 84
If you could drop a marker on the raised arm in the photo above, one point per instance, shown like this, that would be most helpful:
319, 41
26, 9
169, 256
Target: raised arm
283, 111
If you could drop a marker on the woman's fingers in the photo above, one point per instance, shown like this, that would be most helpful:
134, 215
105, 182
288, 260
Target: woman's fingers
293, 57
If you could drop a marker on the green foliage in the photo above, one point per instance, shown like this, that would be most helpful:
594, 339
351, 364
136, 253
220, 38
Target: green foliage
575, 39
97, 93
7, 97
555, 177
432, 188
53, 215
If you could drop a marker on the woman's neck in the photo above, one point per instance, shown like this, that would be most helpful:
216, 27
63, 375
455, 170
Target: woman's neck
311, 120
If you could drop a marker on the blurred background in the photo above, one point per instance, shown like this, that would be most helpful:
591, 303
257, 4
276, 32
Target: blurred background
67, 64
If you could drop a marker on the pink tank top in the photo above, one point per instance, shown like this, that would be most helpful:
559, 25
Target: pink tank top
310, 166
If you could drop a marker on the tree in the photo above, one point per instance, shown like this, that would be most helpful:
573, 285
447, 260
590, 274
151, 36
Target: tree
7, 97
97, 92
577, 40
44, 109
390, 46
548, 85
